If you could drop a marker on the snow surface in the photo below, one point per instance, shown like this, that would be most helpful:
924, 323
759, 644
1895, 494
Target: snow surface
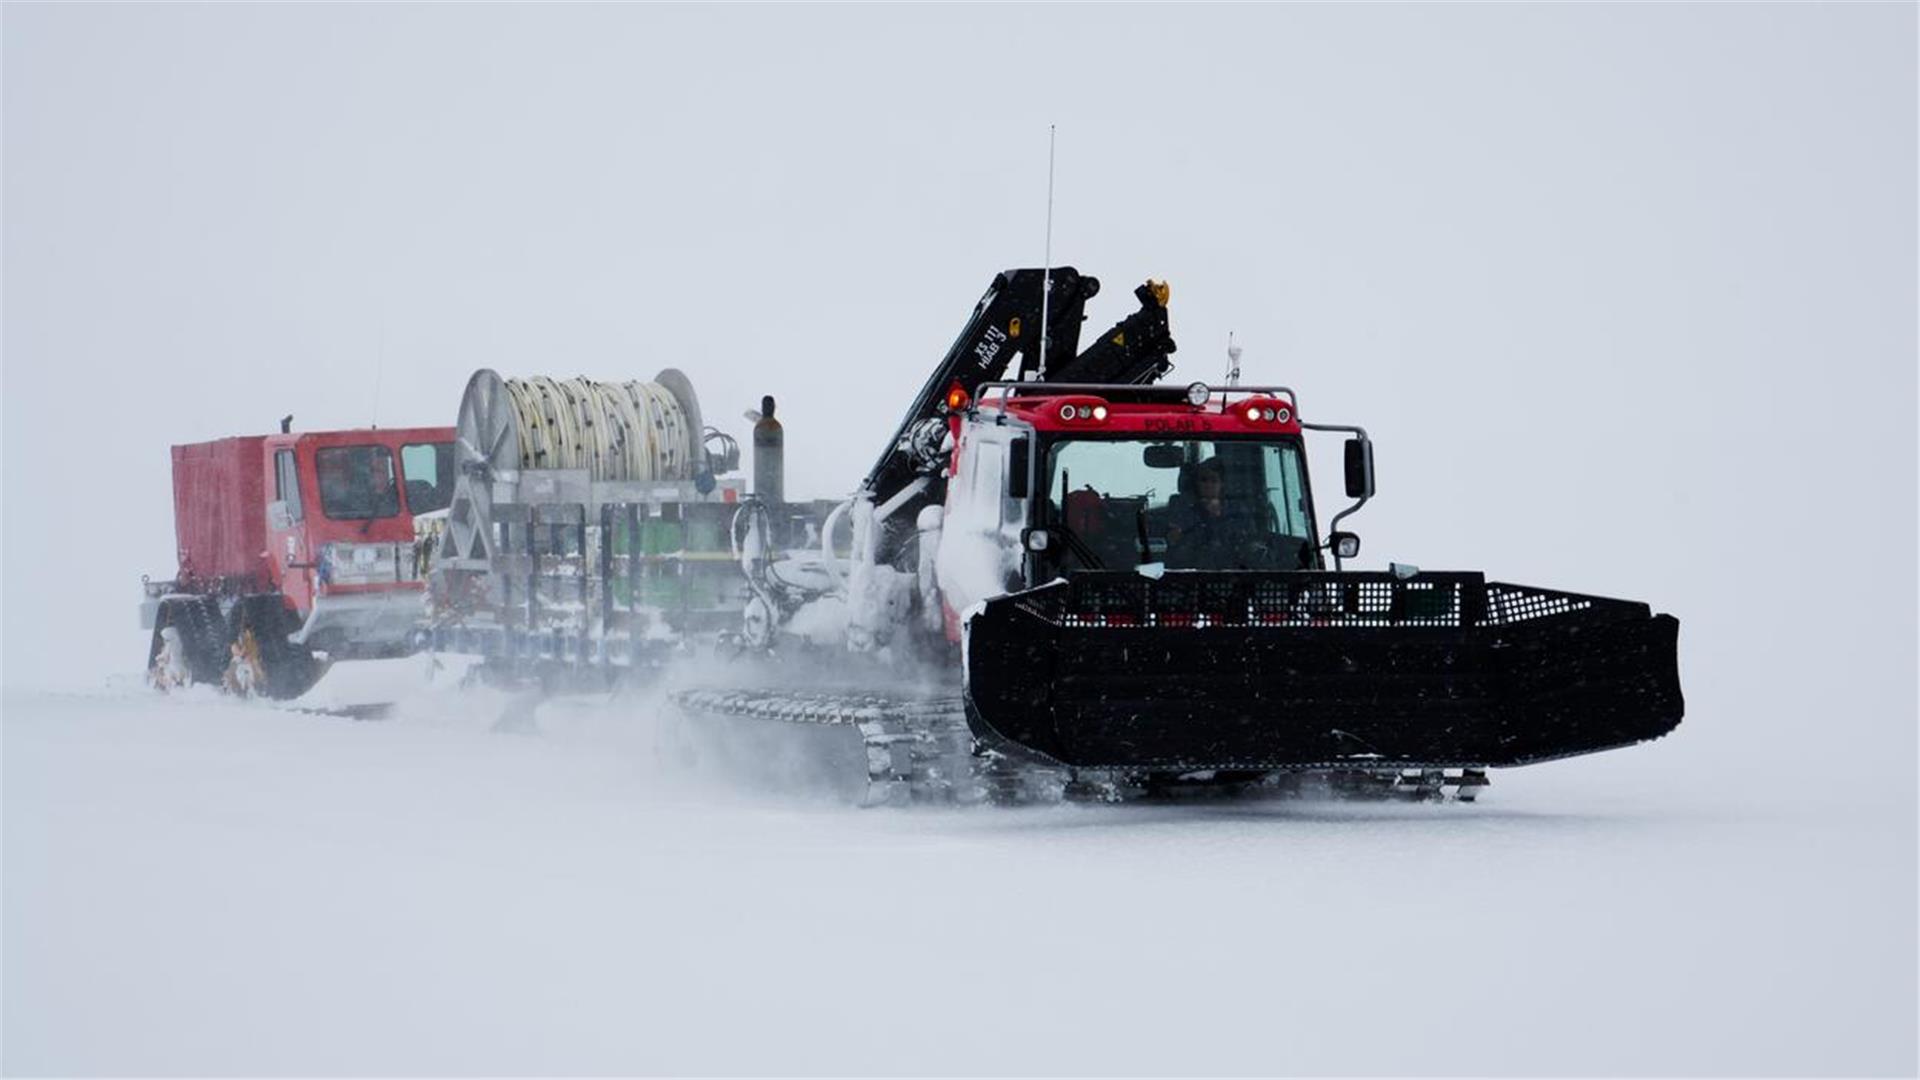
1624, 294
195, 885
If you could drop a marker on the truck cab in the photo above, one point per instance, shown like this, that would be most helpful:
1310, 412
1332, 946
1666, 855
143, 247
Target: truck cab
340, 528
1047, 481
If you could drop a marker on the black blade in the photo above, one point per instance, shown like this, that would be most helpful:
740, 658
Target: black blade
1198, 670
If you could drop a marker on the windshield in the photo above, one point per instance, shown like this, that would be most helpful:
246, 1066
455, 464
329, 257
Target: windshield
356, 482
1201, 505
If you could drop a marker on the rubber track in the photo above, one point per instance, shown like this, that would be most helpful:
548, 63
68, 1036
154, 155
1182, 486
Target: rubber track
918, 749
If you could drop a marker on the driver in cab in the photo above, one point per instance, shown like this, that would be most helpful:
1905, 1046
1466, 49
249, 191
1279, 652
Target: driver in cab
1210, 531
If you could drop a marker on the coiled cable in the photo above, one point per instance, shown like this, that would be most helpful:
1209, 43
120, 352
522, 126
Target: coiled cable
615, 430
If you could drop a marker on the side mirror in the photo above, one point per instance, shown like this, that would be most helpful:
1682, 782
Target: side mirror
1359, 469
1345, 545
1019, 463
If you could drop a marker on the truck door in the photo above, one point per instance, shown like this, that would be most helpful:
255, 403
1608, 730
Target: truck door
979, 553
286, 532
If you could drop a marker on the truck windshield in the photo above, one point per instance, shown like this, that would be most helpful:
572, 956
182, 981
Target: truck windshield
357, 482
1199, 505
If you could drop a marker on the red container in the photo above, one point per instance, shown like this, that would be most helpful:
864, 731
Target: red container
219, 509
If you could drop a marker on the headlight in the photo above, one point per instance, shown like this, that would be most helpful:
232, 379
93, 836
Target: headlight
1198, 393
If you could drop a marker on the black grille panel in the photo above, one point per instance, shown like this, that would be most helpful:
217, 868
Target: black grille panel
1226, 670
1303, 599
1507, 604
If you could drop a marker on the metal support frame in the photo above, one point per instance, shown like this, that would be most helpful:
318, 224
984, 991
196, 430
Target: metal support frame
635, 565
606, 580
1334, 525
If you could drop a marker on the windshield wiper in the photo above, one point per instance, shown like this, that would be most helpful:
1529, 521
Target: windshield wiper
1078, 546
1074, 543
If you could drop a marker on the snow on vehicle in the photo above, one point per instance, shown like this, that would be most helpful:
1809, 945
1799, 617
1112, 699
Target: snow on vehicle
1121, 586
294, 550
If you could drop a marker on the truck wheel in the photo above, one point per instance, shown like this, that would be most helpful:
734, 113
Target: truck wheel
290, 669
203, 634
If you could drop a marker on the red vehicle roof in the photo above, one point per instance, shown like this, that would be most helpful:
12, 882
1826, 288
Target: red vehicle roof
1226, 413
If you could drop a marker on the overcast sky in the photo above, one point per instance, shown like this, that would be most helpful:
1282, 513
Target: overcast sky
1626, 294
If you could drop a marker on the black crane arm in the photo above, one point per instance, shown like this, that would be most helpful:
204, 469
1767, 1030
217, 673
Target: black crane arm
1005, 325
1136, 350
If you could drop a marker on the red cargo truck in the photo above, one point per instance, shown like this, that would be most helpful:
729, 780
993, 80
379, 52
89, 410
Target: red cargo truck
295, 550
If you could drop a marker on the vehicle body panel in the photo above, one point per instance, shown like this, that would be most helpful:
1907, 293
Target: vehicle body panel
219, 530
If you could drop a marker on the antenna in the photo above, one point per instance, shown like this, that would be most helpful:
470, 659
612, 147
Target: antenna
379, 367
1046, 285
1233, 358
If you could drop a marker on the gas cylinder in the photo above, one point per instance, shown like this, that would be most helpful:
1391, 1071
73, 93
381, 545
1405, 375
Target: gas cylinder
769, 451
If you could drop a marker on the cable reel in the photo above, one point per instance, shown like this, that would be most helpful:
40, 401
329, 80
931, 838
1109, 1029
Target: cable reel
616, 431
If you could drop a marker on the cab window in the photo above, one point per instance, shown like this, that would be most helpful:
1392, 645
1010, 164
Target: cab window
428, 471
357, 482
1227, 504
286, 483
